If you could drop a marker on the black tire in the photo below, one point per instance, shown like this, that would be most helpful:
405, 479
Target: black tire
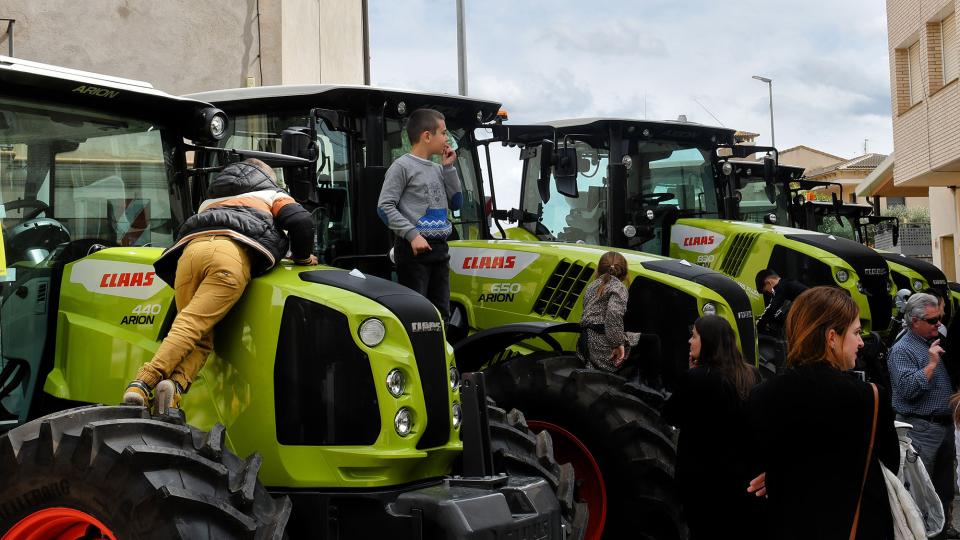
142, 476
634, 448
518, 450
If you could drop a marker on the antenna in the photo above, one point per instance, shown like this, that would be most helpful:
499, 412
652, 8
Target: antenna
708, 112
865, 145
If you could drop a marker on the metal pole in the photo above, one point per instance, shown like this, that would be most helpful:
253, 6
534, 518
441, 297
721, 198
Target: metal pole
9, 35
773, 140
461, 49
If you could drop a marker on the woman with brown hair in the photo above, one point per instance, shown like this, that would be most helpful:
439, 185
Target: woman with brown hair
708, 405
815, 429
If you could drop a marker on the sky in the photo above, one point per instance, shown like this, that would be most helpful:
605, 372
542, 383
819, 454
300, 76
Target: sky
654, 59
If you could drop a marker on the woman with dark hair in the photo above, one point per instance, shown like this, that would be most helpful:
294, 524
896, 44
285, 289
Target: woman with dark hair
709, 407
815, 432
603, 342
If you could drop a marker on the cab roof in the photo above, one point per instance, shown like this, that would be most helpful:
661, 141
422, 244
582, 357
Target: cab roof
653, 129
356, 99
38, 81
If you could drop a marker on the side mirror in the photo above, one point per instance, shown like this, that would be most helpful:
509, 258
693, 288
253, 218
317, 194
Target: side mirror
565, 171
302, 180
546, 166
771, 191
769, 170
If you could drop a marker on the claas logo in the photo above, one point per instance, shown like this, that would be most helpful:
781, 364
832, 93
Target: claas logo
473, 263
127, 279
698, 241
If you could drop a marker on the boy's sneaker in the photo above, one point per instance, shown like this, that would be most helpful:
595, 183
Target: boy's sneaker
168, 395
137, 393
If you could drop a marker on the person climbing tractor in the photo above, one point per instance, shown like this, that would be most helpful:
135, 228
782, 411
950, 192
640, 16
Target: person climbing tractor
782, 291
238, 233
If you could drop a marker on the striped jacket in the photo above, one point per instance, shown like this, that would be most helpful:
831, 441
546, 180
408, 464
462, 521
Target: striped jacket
246, 204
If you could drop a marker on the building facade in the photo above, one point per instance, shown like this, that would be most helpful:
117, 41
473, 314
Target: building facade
184, 46
924, 68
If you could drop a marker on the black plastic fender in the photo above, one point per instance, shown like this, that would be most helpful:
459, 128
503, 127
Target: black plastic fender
477, 350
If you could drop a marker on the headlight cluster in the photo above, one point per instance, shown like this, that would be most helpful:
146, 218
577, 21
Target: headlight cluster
709, 309
917, 285
842, 276
403, 422
372, 331
395, 383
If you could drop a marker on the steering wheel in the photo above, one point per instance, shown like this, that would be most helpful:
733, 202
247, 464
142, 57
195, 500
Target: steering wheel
38, 206
654, 198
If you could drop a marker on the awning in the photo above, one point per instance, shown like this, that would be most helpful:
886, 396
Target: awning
879, 183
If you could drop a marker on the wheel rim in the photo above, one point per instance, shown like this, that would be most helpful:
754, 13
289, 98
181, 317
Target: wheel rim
58, 524
591, 489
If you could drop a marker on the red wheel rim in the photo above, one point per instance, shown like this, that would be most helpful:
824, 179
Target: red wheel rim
567, 448
57, 524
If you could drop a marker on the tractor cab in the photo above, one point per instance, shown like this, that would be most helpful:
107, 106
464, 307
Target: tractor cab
687, 191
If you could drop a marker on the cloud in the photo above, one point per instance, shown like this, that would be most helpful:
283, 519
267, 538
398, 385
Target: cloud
548, 59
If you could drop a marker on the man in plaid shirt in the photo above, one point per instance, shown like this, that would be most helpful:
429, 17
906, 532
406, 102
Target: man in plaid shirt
921, 395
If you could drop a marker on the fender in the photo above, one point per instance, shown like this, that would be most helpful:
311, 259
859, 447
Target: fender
477, 350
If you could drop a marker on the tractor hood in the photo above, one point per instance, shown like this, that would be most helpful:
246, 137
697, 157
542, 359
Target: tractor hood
934, 276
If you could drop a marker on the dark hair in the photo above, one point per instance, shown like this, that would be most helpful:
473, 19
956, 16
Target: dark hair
762, 277
612, 264
814, 313
718, 351
422, 120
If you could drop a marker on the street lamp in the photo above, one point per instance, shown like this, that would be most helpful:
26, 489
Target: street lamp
773, 141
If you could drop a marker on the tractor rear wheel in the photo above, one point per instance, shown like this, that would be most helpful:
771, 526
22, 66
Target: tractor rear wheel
118, 472
623, 452
518, 450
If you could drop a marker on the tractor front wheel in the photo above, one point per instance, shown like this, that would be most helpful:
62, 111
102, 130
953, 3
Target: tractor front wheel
118, 472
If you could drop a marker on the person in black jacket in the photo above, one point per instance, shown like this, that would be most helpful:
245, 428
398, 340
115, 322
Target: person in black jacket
238, 233
708, 405
782, 291
813, 424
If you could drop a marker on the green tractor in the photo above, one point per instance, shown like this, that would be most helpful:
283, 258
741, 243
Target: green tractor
684, 190
515, 303
339, 386
859, 223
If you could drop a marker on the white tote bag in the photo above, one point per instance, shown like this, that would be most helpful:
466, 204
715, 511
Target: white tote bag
907, 521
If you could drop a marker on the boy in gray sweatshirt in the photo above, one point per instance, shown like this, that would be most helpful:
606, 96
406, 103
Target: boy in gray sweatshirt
413, 202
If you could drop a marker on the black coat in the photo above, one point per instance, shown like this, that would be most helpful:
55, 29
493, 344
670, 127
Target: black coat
713, 451
787, 290
250, 226
813, 428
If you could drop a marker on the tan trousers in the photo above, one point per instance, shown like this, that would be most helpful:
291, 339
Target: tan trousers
211, 276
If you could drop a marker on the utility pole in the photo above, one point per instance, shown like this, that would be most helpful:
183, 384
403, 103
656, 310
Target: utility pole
461, 49
773, 140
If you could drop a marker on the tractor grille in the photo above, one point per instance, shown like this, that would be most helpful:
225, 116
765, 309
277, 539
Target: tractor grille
562, 290
740, 247
324, 393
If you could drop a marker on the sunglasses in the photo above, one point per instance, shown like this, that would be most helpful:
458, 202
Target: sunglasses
932, 321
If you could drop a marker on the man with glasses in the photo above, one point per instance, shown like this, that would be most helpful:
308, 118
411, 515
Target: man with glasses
921, 395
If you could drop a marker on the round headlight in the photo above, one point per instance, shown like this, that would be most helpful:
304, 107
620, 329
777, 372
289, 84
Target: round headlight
709, 309
457, 415
627, 162
917, 285
726, 168
395, 382
218, 125
403, 422
454, 378
372, 332
842, 276
401, 108
629, 231
772, 218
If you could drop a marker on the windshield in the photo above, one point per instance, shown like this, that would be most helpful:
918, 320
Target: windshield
570, 219
755, 204
334, 232
81, 176
468, 220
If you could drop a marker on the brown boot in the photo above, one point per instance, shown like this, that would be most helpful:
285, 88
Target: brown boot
137, 393
168, 395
